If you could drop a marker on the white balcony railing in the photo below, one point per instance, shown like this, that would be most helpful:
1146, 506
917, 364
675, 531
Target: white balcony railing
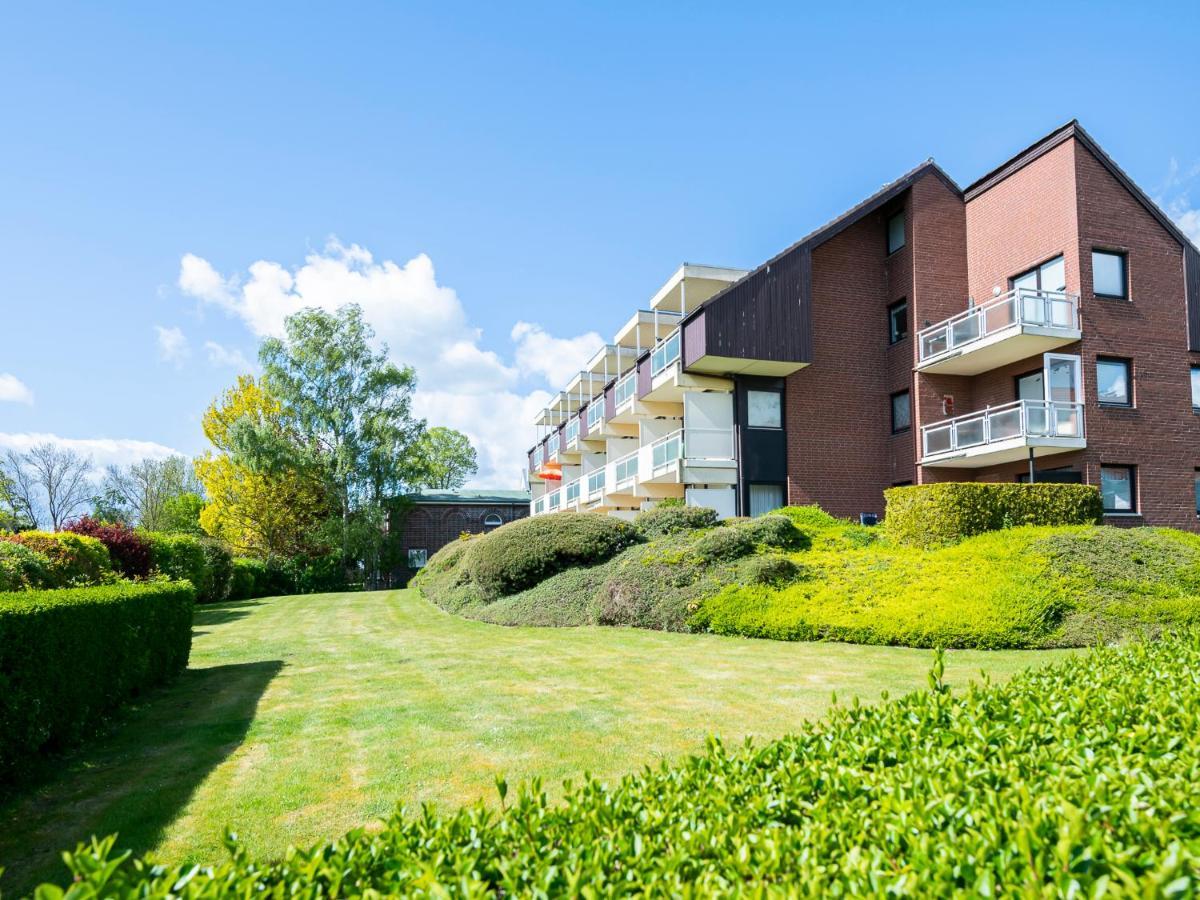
553, 500
595, 484
625, 469
571, 492
595, 413
1020, 306
572, 431
665, 353
665, 451
1020, 419
625, 389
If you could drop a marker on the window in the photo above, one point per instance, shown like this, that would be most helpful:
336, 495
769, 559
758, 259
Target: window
895, 232
1117, 488
1049, 276
416, 559
1196, 388
492, 520
1110, 275
764, 409
1114, 381
897, 321
901, 412
1031, 386
764, 498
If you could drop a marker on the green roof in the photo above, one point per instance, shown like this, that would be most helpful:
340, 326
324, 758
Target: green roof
482, 496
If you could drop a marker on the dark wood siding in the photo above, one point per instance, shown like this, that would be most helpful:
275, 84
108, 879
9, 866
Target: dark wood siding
1191, 265
693, 339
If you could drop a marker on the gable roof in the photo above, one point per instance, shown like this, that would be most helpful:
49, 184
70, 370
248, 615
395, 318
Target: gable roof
1056, 137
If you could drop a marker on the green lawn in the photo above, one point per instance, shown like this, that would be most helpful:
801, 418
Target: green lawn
302, 717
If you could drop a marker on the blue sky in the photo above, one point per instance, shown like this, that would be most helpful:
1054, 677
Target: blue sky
174, 179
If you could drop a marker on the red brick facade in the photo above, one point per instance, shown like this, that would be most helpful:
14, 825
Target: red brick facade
1064, 201
431, 525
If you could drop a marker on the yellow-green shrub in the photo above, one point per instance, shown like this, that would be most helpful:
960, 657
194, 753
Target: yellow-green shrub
75, 559
931, 515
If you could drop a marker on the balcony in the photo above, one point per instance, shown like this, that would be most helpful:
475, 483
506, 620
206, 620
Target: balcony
554, 500
571, 491
1011, 327
1004, 434
595, 485
690, 456
624, 474
572, 434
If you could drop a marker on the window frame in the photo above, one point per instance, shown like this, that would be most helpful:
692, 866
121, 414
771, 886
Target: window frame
1012, 281
1125, 361
887, 232
487, 523
424, 557
1194, 384
895, 395
1017, 379
779, 399
1133, 490
1122, 255
893, 337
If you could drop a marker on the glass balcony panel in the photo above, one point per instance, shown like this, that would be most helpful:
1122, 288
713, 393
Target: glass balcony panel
969, 432
1006, 424
937, 440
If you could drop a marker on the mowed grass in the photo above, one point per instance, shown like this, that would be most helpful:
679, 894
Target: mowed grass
303, 717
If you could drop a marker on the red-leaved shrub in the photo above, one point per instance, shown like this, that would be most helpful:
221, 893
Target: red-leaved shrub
130, 551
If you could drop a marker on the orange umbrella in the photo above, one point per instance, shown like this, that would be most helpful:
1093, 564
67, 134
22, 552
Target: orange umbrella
551, 471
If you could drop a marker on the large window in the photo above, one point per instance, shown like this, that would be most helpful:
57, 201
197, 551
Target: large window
897, 321
764, 409
765, 498
1196, 388
1031, 386
901, 412
1049, 276
1114, 381
1110, 274
895, 232
1118, 488
416, 558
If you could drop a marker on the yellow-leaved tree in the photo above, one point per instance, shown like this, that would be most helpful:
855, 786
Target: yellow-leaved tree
262, 514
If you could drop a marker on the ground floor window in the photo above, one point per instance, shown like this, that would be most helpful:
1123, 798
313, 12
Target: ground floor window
764, 498
492, 520
417, 557
1118, 489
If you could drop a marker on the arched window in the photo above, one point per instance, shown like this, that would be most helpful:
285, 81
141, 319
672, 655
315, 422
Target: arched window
492, 520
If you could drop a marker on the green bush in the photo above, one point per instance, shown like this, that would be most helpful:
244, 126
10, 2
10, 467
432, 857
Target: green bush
932, 515
68, 657
522, 553
724, 543
1071, 780
75, 560
218, 570
775, 531
668, 518
247, 579
809, 517
773, 569
22, 568
178, 556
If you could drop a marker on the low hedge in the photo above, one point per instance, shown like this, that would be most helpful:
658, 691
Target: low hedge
1073, 780
68, 657
75, 559
932, 515
522, 553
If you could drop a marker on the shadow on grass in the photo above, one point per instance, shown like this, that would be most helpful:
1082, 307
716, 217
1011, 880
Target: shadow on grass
134, 779
208, 614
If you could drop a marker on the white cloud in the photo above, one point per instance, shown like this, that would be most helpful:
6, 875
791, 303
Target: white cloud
1175, 196
557, 359
224, 356
172, 345
103, 451
13, 390
460, 384
1189, 221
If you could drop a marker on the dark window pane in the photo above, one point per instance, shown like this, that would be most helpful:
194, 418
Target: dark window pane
898, 321
901, 412
895, 232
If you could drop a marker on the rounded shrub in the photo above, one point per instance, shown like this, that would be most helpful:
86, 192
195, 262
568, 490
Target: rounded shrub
247, 578
809, 517
668, 518
129, 550
723, 544
75, 559
775, 531
772, 569
178, 556
522, 553
218, 570
23, 568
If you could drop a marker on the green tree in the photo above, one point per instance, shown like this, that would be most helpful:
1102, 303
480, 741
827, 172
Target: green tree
144, 488
181, 514
444, 459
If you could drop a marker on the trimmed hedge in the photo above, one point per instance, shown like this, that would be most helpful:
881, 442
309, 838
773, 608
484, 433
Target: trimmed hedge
75, 559
179, 557
1073, 780
522, 553
933, 515
68, 657
22, 568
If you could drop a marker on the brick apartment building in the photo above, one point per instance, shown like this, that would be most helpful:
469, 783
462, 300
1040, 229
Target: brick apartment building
1045, 319
432, 520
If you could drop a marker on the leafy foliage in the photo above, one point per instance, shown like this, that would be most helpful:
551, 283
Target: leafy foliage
522, 553
247, 579
144, 493
68, 657
75, 559
213, 586
444, 459
22, 568
667, 518
179, 557
181, 514
1072, 780
724, 543
128, 550
932, 515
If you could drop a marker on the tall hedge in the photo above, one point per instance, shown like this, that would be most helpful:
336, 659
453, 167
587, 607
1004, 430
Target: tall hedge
75, 559
178, 556
68, 657
936, 515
